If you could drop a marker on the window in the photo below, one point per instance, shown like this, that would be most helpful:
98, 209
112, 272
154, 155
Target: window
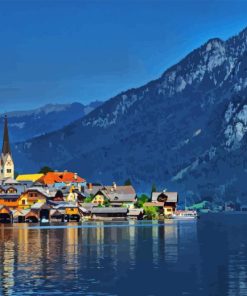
23, 202
9, 171
169, 210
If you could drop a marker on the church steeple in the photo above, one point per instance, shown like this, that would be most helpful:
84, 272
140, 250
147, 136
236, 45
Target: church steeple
6, 144
7, 166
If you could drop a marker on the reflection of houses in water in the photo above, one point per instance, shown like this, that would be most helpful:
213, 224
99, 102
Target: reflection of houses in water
155, 243
132, 243
8, 265
171, 233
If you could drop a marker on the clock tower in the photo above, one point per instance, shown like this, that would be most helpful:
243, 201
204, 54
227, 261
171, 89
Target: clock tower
6, 161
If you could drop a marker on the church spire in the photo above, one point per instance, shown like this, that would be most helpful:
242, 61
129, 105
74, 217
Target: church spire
6, 144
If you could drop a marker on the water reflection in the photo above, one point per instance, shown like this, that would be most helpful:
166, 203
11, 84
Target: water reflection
185, 257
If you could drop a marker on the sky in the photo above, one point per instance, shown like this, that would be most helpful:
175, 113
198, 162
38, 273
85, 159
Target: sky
66, 51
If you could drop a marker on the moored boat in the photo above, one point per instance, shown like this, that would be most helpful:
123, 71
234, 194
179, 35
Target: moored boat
184, 215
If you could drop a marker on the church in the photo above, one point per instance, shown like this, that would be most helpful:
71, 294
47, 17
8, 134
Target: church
6, 161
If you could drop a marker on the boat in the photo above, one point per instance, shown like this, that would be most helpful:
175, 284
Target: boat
44, 220
184, 215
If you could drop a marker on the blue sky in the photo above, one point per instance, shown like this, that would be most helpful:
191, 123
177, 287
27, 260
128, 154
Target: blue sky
64, 51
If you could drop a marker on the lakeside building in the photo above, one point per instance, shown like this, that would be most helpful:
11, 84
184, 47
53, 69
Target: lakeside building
166, 202
116, 196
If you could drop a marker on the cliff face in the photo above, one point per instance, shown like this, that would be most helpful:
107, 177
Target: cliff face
185, 131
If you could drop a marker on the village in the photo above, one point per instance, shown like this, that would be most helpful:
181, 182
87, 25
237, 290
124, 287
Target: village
55, 196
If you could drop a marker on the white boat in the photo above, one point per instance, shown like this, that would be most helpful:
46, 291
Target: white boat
44, 220
184, 215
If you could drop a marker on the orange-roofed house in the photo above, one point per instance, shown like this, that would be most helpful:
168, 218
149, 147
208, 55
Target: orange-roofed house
59, 179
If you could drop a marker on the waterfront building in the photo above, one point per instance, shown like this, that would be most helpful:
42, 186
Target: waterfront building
165, 202
109, 213
33, 195
6, 215
6, 161
117, 196
169, 200
9, 195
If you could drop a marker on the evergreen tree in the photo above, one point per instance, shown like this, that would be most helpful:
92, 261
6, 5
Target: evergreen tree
45, 170
127, 182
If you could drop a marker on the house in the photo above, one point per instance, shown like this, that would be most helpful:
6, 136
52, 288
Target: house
117, 196
71, 211
109, 213
33, 195
42, 209
169, 200
91, 189
135, 214
6, 215
9, 195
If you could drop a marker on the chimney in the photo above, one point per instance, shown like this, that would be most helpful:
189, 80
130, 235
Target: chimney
114, 185
90, 186
75, 176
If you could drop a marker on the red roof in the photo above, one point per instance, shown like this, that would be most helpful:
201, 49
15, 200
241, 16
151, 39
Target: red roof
60, 177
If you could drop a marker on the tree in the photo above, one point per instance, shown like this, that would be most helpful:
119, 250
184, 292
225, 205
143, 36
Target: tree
89, 199
141, 200
127, 182
151, 212
45, 170
106, 202
153, 188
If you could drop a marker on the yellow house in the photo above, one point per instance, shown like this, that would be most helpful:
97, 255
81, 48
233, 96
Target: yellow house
99, 198
29, 177
72, 196
30, 197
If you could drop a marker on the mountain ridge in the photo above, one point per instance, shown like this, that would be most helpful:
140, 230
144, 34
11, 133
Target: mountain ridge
163, 131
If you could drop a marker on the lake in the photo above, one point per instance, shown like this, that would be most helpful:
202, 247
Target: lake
204, 257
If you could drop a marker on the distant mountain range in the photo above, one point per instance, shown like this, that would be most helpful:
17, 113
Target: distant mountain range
25, 125
185, 131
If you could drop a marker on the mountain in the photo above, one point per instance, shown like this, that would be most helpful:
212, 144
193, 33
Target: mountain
25, 125
185, 131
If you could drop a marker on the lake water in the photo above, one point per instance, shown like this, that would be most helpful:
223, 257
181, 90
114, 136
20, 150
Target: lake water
204, 257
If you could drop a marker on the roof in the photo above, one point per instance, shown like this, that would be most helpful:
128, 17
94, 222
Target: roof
107, 210
93, 190
10, 181
37, 206
9, 196
55, 212
5, 210
119, 193
171, 196
6, 144
83, 210
135, 212
88, 206
153, 204
42, 191
29, 177
19, 188
60, 177
64, 205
